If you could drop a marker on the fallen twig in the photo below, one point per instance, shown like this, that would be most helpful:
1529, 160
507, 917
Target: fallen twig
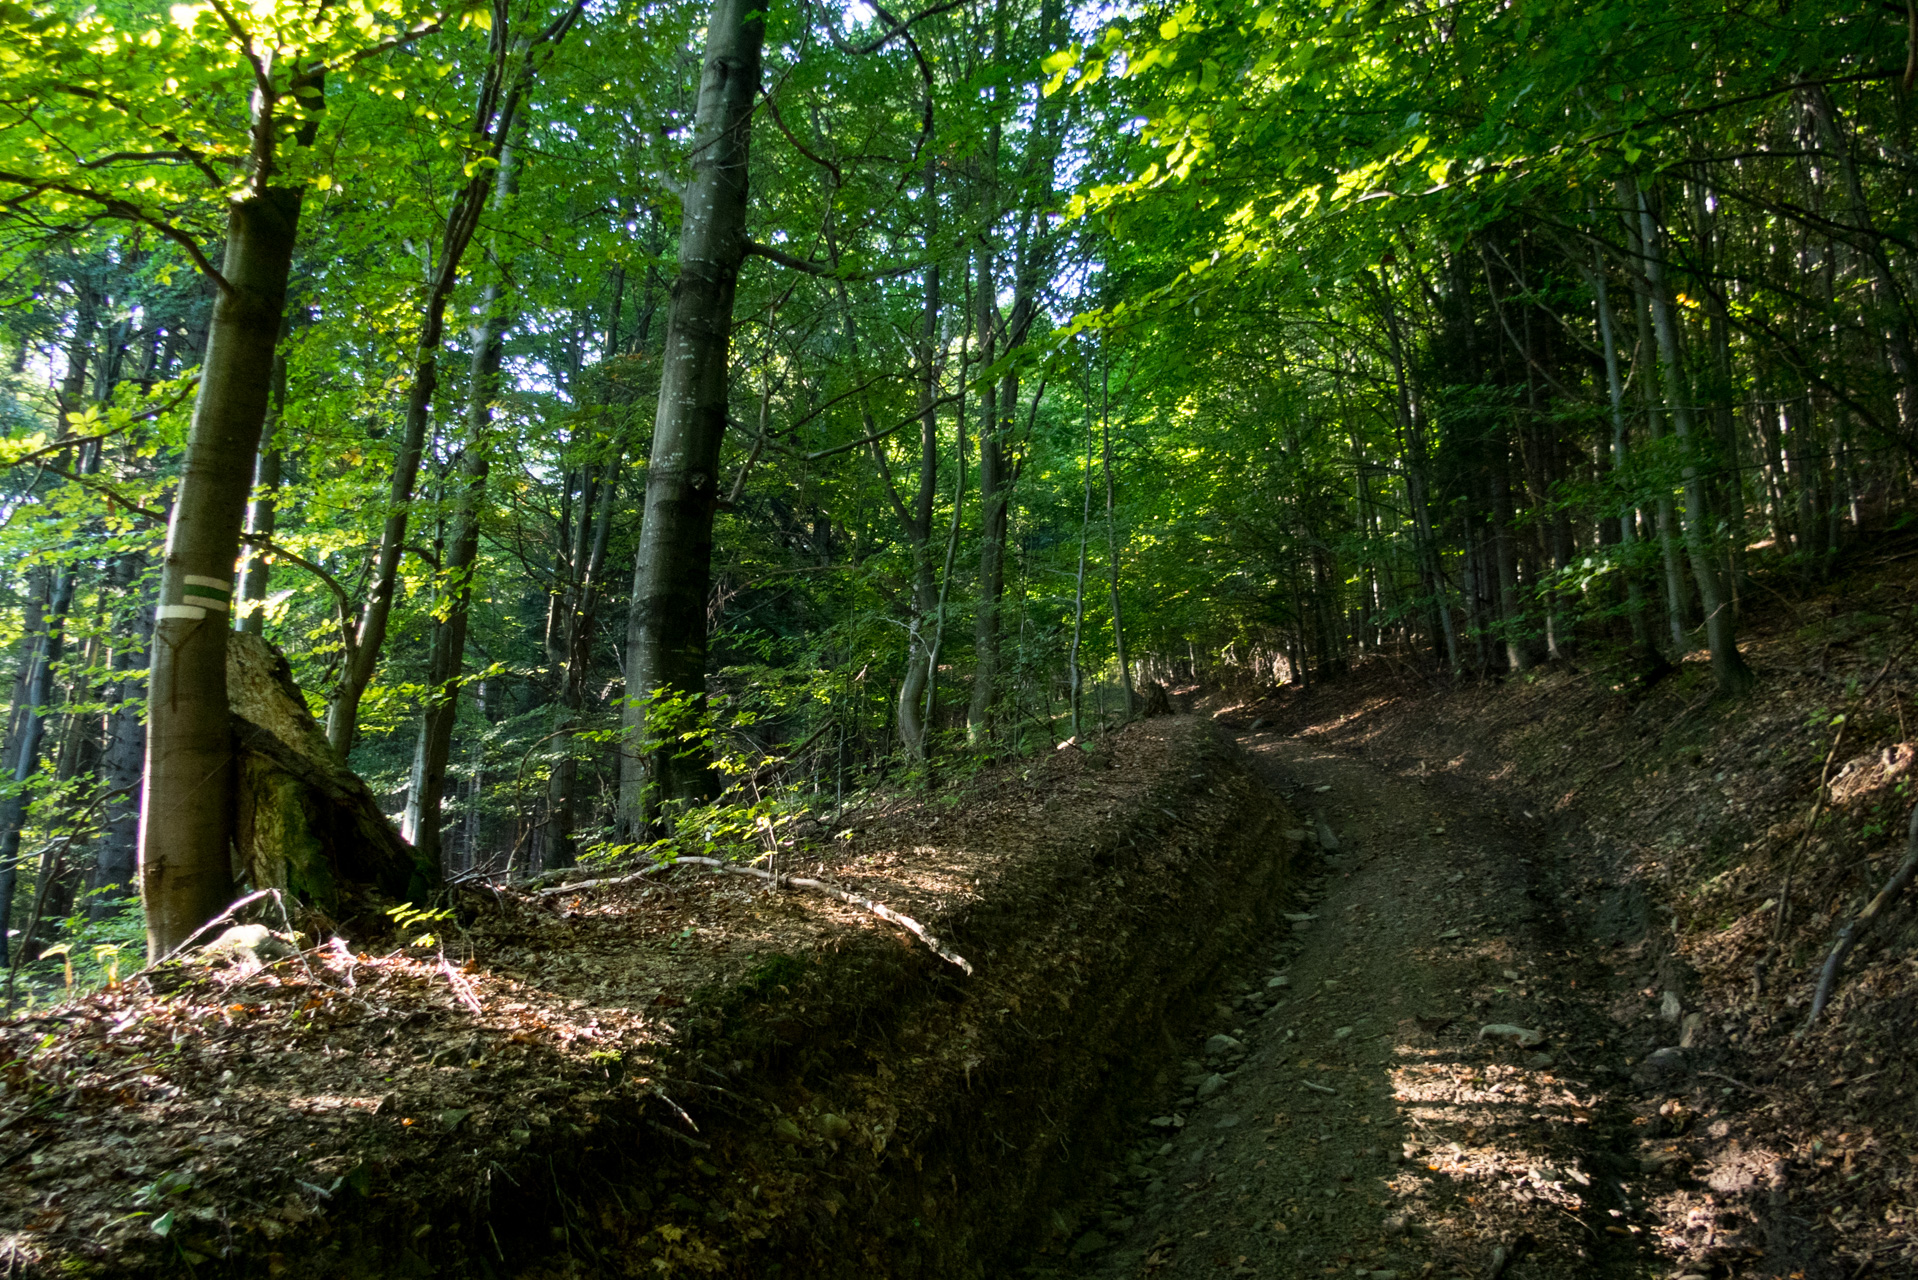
879, 909
1783, 916
461, 987
1849, 936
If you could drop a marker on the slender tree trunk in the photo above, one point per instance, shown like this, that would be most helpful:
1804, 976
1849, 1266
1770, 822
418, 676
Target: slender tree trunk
116, 851
433, 750
1627, 530
666, 632
1079, 586
1677, 599
260, 512
1112, 531
992, 522
462, 220
1728, 667
26, 761
187, 816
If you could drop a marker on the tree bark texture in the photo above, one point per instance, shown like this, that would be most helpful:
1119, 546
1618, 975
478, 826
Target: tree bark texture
666, 632
187, 813
1728, 667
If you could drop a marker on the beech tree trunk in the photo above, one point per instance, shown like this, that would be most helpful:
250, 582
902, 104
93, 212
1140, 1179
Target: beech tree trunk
462, 220
26, 762
261, 511
666, 631
187, 815
1728, 667
115, 859
433, 749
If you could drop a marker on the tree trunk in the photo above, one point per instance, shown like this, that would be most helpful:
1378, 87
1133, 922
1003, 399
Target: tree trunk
1076, 687
37, 693
666, 632
1112, 532
362, 659
1728, 667
116, 851
187, 817
432, 751
260, 512
1627, 530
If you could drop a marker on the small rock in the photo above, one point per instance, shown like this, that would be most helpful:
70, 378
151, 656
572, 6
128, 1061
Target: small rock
1300, 917
1322, 790
1226, 1122
1688, 1033
1327, 841
1540, 1061
1295, 834
1221, 1044
1452, 933
1165, 1150
1211, 1085
251, 944
1273, 984
1523, 1037
1394, 1225
1342, 1033
833, 1126
1162, 1122
1669, 1007
786, 1131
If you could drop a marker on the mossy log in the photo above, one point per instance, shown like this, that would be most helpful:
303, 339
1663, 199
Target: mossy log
307, 824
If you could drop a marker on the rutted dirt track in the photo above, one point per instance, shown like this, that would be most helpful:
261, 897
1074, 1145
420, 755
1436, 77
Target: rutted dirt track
1370, 1124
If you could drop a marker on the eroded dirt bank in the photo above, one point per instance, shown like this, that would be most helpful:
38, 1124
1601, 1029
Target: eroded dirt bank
683, 1076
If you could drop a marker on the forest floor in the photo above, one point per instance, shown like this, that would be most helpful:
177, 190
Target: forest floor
1603, 867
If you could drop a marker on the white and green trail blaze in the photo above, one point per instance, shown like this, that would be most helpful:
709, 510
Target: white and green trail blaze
197, 595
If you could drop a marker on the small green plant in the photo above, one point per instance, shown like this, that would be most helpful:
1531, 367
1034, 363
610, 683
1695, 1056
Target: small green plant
65, 952
407, 917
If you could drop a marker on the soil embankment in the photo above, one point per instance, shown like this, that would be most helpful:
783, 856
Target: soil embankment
688, 1075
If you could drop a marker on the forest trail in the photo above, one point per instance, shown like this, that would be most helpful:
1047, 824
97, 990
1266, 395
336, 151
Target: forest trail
1366, 1127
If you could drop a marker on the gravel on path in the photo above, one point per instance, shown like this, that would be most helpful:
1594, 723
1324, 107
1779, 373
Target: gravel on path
1418, 1077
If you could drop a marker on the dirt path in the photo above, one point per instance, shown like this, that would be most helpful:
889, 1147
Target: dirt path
1361, 1125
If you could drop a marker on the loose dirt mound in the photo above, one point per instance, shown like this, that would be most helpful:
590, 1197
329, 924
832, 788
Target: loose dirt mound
700, 1076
